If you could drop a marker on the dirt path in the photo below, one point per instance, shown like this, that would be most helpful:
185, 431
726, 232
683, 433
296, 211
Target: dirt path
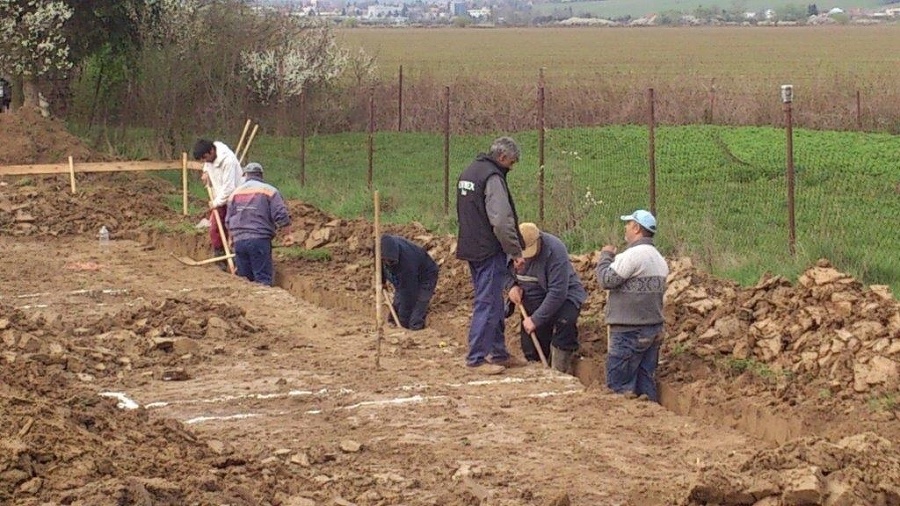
303, 389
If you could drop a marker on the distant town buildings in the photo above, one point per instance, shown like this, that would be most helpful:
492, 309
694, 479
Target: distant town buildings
483, 12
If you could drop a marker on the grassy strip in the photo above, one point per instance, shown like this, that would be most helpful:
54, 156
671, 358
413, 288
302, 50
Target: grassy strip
721, 191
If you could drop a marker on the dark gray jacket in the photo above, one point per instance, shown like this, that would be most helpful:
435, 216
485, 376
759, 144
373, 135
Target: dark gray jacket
550, 278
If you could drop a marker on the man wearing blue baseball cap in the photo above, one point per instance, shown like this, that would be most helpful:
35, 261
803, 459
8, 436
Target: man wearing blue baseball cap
636, 280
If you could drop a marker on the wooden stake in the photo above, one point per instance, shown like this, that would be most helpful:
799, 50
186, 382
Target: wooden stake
249, 141
379, 330
534, 339
222, 236
72, 174
240, 143
184, 184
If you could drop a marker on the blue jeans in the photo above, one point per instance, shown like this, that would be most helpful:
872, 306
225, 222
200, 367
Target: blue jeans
486, 337
254, 260
632, 360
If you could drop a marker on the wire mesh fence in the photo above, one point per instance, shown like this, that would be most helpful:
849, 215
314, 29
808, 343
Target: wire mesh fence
721, 192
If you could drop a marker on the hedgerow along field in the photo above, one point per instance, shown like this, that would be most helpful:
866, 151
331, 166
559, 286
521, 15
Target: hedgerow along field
599, 76
721, 195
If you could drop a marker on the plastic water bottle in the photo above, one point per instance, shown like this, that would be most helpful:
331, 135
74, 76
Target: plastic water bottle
104, 239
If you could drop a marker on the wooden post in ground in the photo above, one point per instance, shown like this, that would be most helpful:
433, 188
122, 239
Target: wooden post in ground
72, 174
184, 185
370, 144
379, 329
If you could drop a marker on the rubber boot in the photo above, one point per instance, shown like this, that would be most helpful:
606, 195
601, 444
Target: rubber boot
561, 360
222, 264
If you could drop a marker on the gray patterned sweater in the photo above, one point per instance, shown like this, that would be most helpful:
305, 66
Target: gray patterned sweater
636, 280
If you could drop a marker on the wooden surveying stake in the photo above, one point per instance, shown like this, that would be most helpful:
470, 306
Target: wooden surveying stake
72, 174
243, 155
379, 329
184, 185
240, 144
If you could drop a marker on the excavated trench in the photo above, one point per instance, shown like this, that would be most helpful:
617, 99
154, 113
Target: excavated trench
683, 399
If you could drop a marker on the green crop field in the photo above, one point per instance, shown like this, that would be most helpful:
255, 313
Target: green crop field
748, 55
721, 195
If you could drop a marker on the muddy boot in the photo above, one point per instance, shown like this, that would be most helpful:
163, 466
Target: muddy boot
561, 360
222, 264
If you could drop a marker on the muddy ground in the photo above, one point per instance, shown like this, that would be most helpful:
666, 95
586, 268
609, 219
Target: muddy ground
129, 378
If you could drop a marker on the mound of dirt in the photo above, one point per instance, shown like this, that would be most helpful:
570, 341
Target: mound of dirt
825, 338
45, 206
62, 443
859, 469
29, 138
162, 334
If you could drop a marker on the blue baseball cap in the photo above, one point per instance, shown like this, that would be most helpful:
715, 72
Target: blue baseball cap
643, 218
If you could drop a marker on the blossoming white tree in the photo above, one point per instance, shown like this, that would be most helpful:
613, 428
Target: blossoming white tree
32, 43
297, 54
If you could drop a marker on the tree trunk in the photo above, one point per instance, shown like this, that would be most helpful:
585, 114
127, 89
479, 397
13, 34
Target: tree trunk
29, 92
16, 85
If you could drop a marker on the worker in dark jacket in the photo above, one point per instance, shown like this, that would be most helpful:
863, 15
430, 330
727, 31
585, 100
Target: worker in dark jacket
256, 211
488, 240
552, 294
414, 275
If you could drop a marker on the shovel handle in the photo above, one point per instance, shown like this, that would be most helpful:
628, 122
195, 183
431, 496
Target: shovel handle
215, 213
534, 339
390, 303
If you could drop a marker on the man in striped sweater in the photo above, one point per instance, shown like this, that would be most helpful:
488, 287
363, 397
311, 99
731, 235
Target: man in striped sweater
636, 280
256, 212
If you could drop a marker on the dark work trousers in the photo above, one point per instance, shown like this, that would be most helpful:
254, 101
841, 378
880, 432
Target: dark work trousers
486, 337
412, 313
254, 260
561, 331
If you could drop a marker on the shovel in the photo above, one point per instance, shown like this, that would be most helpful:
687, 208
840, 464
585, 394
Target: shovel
389, 301
191, 261
534, 339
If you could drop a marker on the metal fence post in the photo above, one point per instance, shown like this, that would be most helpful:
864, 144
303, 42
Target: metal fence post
787, 98
371, 137
446, 150
651, 126
858, 111
303, 138
400, 100
541, 127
